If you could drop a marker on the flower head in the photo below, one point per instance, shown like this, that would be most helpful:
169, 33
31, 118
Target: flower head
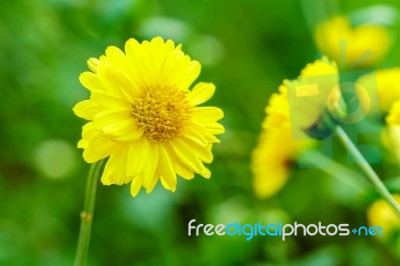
390, 137
290, 114
337, 38
314, 91
379, 213
143, 116
276, 149
387, 84
394, 114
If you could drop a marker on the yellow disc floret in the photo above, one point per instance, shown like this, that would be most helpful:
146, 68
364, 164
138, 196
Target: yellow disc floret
162, 113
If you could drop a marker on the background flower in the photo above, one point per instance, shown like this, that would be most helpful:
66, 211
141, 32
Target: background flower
387, 84
379, 213
276, 149
311, 94
338, 39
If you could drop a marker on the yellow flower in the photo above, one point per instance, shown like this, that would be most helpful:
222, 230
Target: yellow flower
271, 161
311, 93
297, 108
144, 117
380, 214
283, 137
387, 84
337, 38
276, 147
394, 114
391, 140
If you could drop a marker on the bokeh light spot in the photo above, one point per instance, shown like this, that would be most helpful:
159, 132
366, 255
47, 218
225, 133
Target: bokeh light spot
55, 158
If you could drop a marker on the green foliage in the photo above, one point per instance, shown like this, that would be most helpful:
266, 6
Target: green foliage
247, 48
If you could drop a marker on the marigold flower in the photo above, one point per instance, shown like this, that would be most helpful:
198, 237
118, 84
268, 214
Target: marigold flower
144, 117
394, 114
380, 214
391, 141
283, 135
314, 91
387, 84
358, 40
276, 148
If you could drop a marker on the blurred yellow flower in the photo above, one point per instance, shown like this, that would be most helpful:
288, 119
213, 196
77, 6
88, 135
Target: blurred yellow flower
357, 40
271, 161
276, 147
311, 93
391, 140
144, 117
283, 137
320, 67
380, 214
393, 118
387, 84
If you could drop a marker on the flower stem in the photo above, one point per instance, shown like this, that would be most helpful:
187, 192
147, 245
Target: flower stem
366, 167
87, 213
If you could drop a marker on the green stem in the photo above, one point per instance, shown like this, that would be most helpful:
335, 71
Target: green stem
87, 213
366, 167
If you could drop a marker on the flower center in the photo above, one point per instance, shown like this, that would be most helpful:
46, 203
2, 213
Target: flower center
162, 112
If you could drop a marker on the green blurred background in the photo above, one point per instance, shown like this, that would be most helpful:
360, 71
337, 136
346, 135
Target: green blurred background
246, 48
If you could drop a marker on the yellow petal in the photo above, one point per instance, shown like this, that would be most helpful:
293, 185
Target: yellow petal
91, 81
115, 170
166, 186
125, 131
86, 109
118, 60
195, 135
186, 72
120, 162
137, 63
93, 63
153, 183
107, 99
167, 170
136, 185
118, 125
205, 172
186, 156
201, 93
117, 83
208, 136
137, 157
151, 165
268, 184
110, 116
96, 145
203, 152
208, 113
83, 144
181, 169
213, 128
108, 177
394, 114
